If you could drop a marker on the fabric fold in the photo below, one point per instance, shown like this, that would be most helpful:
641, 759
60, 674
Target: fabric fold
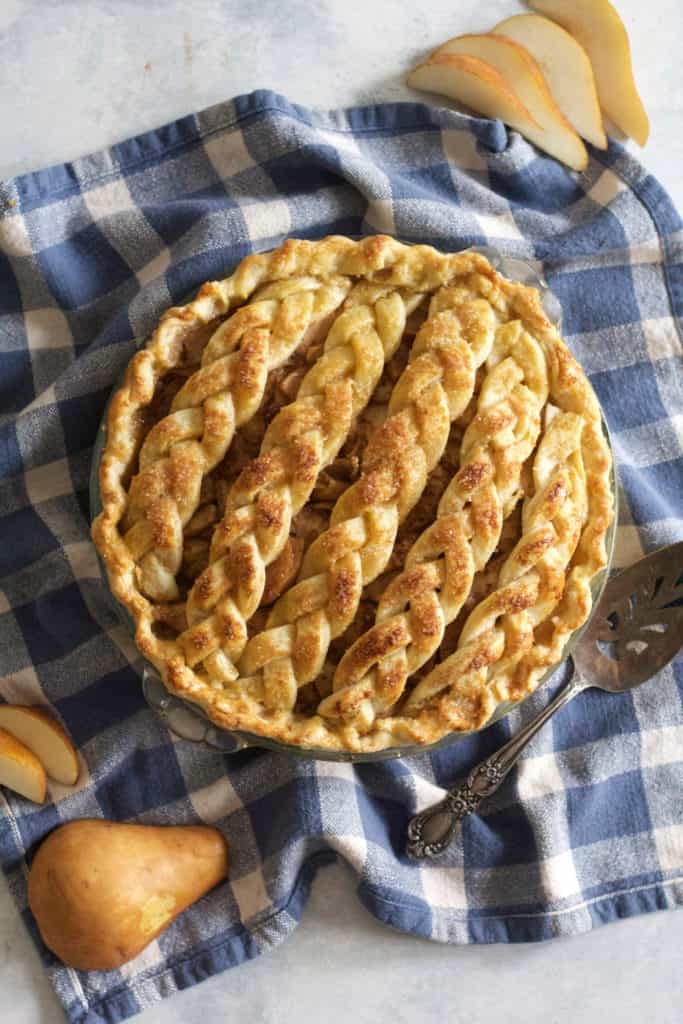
91, 253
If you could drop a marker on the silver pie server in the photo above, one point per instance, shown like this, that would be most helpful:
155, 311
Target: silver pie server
635, 631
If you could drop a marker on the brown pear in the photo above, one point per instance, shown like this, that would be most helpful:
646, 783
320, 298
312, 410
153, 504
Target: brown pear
100, 891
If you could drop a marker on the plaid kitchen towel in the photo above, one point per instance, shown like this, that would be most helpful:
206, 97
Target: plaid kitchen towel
590, 828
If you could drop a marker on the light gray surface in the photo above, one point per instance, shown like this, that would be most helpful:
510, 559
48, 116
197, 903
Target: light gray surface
76, 75
341, 966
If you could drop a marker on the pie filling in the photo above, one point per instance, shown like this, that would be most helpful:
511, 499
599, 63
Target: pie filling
354, 496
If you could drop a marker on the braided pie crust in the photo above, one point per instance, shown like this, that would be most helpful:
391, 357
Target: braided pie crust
354, 495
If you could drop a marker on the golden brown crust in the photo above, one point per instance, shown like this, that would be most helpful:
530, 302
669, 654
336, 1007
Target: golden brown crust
157, 522
440, 567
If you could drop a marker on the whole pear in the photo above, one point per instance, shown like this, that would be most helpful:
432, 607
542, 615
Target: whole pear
101, 891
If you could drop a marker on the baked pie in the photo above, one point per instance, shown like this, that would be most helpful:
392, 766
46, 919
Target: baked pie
355, 494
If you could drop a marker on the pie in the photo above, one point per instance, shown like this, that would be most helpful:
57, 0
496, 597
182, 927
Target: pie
355, 494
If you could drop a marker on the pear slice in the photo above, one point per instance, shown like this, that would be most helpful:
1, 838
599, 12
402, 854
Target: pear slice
597, 26
566, 68
475, 84
553, 132
20, 769
45, 738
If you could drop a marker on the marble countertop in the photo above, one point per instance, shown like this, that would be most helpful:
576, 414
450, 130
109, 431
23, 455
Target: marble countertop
76, 75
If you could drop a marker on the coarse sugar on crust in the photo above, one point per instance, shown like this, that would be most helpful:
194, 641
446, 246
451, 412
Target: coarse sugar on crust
354, 495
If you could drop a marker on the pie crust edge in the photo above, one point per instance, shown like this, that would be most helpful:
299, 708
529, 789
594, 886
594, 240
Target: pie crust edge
379, 259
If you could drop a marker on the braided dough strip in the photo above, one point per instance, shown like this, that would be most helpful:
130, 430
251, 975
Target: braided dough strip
218, 398
415, 609
303, 438
434, 389
500, 630
381, 260
470, 701
571, 392
377, 258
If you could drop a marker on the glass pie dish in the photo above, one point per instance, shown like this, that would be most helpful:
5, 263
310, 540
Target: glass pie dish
188, 721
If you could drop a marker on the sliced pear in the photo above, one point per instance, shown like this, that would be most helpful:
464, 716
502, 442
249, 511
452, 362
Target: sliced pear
601, 32
475, 84
45, 738
553, 132
20, 769
566, 68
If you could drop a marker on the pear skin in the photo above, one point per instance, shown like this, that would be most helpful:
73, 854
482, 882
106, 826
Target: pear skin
100, 891
475, 83
566, 68
550, 131
20, 769
45, 737
596, 25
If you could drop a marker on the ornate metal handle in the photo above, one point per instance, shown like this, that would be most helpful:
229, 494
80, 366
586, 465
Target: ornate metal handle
430, 832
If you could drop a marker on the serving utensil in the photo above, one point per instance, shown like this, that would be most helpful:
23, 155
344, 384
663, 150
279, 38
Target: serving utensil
634, 632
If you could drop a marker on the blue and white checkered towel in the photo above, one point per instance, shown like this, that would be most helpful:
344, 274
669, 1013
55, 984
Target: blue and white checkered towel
591, 827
